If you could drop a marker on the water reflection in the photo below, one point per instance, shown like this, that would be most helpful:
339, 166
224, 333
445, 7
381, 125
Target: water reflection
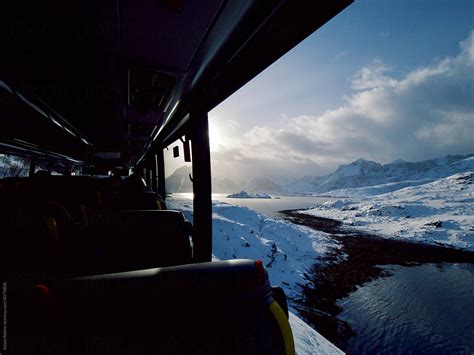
271, 207
423, 309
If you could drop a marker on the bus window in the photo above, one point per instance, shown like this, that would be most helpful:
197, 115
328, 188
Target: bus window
13, 166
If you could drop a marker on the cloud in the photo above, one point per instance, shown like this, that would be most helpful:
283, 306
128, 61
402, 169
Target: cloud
373, 76
421, 114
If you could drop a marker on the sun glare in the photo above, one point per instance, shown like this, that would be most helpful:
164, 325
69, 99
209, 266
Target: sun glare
215, 136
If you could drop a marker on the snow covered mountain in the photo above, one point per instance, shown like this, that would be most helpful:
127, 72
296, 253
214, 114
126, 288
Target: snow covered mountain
365, 173
439, 212
179, 181
224, 185
264, 185
368, 177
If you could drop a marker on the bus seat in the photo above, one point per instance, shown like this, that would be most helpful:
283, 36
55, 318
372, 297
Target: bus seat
222, 307
36, 241
48, 224
136, 239
139, 200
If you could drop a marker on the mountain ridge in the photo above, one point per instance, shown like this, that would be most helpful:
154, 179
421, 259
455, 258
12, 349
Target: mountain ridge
361, 173
365, 173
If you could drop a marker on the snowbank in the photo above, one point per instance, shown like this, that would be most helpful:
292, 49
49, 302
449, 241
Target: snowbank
440, 212
287, 250
309, 341
378, 189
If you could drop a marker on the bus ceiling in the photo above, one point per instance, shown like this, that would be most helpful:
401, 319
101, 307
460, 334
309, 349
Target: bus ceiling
129, 78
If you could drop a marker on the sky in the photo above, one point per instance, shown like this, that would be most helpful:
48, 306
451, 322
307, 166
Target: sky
383, 80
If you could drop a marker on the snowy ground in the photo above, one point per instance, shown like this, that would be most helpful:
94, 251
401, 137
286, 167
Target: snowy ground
440, 212
309, 341
288, 252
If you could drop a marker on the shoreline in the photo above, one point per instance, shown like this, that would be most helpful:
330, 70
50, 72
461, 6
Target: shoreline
353, 263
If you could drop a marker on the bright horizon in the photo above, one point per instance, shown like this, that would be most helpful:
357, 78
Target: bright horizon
374, 83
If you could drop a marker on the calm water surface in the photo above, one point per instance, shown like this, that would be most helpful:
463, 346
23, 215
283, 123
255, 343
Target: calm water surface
268, 207
427, 309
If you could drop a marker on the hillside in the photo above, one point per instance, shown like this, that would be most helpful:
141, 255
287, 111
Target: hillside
359, 178
389, 177
263, 185
288, 251
179, 181
439, 212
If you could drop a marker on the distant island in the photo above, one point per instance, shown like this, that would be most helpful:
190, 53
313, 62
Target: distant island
244, 194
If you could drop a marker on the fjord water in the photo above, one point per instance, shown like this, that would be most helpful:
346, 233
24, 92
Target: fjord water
426, 309
271, 206
266, 206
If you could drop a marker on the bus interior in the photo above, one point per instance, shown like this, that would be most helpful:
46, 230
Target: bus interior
90, 91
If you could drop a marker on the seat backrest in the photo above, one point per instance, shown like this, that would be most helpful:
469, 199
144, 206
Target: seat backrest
78, 194
209, 308
136, 239
139, 200
45, 228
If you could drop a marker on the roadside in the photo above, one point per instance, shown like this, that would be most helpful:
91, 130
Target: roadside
353, 262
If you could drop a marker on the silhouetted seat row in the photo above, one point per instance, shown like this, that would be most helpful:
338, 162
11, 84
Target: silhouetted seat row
172, 309
134, 239
78, 195
59, 224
